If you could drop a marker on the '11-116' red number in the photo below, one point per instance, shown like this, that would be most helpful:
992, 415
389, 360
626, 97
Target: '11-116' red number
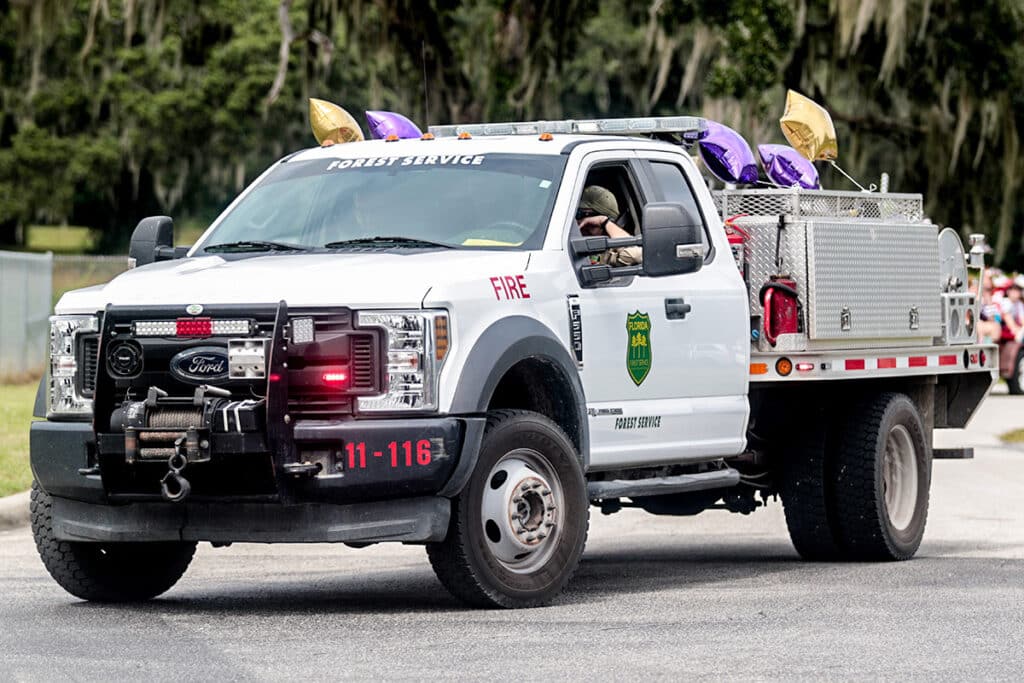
402, 454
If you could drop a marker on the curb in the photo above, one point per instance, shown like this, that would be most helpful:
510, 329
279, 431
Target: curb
14, 510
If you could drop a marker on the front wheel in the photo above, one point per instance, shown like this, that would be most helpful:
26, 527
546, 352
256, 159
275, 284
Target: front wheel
518, 528
106, 572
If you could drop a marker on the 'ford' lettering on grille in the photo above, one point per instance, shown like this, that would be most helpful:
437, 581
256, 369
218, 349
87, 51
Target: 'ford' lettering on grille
201, 364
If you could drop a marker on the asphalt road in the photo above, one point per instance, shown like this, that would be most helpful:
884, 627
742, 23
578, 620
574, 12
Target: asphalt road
714, 596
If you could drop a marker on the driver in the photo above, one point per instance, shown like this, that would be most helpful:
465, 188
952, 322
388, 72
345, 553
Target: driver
594, 217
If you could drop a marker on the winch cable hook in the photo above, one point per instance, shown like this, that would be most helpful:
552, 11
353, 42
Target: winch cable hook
174, 487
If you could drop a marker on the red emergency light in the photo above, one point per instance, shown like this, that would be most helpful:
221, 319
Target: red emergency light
194, 327
336, 379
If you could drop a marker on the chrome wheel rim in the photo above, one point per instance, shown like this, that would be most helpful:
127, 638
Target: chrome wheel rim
899, 477
521, 510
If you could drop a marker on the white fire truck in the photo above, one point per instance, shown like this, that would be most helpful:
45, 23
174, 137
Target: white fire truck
411, 340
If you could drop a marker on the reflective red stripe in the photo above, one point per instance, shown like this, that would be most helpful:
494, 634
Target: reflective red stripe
918, 361
886, 363
948, 360
855, 364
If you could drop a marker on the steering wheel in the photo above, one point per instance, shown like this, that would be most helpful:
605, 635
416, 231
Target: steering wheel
493, 231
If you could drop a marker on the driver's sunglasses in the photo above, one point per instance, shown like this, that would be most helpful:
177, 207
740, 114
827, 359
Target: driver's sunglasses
585, 213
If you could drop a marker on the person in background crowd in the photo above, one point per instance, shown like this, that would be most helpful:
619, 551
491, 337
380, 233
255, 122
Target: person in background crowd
990, 327
1013, 313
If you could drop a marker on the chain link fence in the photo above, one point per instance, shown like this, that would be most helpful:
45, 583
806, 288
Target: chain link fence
25, 301
30, 285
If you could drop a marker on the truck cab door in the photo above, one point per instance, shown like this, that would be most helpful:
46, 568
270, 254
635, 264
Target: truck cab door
665, 359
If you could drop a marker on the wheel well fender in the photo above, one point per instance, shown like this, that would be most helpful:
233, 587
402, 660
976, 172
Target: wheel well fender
518, 346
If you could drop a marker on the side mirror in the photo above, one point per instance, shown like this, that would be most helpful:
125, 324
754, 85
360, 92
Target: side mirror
153, 240
671, 240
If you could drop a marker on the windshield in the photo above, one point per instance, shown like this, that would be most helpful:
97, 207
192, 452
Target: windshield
484, 201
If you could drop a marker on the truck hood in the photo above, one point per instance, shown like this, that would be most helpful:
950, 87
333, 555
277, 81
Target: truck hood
371, 280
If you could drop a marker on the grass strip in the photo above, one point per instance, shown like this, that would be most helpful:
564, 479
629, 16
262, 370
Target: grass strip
16, 402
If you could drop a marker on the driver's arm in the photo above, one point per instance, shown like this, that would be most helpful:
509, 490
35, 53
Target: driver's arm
622, 256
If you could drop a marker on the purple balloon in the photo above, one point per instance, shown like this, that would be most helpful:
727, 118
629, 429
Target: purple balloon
727, 155
787, 167
385, 123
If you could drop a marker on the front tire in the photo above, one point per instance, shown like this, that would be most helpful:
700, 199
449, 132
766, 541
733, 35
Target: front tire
883, 475
519, 527
106, 572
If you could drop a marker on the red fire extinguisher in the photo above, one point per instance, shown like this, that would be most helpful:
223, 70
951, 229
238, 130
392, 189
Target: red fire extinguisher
738, 238
781, 308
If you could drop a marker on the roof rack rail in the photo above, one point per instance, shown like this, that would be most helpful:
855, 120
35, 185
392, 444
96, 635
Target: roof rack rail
689, 128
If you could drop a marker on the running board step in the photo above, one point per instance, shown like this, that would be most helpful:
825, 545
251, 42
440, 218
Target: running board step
633, 488
952, 453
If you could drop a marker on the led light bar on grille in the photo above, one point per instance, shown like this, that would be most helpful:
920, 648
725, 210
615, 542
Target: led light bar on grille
190, 327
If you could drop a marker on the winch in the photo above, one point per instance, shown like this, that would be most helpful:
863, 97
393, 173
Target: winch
179, 429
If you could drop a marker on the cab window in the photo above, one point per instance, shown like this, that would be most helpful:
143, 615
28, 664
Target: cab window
618, 179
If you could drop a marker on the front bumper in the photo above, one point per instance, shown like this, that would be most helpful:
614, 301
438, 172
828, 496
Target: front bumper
357, 460
410, 520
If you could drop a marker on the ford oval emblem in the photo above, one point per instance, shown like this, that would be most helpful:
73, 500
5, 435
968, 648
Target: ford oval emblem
201, 364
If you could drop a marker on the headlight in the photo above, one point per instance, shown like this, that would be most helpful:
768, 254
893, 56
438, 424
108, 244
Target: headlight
65, 399
416, 345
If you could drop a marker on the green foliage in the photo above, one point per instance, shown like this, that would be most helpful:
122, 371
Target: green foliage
117, 109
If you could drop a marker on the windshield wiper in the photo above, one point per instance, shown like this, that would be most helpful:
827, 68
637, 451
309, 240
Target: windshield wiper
386, 240
252, 245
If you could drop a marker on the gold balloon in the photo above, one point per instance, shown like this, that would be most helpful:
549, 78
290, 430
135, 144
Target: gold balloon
809, 128
331, 123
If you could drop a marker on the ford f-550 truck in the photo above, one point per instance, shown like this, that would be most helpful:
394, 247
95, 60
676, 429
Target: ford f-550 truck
412, 341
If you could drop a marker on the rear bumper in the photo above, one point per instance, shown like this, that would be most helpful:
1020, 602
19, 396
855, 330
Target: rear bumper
410, 520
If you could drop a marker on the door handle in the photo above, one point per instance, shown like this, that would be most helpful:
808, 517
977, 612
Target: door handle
676, 309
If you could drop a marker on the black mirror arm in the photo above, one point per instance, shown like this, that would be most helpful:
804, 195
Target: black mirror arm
582, 246
592, 275
169, 253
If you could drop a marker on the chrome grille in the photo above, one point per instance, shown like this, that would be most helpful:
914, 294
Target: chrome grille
90, 363
362, 362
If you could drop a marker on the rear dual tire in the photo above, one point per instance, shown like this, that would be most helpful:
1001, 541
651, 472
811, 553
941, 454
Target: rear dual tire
862, 492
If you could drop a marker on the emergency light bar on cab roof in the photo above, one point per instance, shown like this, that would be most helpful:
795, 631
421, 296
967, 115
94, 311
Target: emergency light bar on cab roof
690, 127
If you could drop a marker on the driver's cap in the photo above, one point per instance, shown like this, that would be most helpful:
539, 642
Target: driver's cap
600, 200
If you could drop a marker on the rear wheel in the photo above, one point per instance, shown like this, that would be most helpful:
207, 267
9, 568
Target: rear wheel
518, 528
882, 480
106, 572
806, 490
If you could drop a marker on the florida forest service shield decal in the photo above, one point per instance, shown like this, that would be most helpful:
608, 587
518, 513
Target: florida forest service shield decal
638, 346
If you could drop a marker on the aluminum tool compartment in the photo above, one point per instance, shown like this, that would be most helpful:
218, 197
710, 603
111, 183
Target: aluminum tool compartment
866, 265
